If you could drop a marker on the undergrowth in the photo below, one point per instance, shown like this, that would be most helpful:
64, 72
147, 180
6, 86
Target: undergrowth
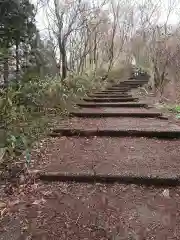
29, 110
175, 109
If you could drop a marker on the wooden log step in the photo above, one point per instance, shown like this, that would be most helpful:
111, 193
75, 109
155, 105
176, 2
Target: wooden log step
115, 91
110, 92
110, 95
154, 133
132, 83
116, 114
132, 86
108, 179
129, 82
123, 88
130, 99
119, 87
135, 81
113, 105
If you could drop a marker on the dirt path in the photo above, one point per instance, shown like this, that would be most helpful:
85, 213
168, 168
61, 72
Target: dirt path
113, 156
43, 210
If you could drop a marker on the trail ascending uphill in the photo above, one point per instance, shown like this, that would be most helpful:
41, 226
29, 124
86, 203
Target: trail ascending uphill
109, 172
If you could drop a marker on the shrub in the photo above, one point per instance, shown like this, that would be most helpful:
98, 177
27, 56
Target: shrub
28, 110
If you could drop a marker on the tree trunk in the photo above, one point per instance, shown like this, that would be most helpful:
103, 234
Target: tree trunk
41, 71
6, 71
63, 58
83, 65
17, 60
64, 65
156, 77
95, 47
90, 58
71, 61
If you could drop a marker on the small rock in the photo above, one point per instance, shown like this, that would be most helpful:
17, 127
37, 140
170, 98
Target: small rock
2, 204
165, 193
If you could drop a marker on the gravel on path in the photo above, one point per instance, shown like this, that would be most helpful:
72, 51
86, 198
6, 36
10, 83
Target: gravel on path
114, 156
118, 123
100, 212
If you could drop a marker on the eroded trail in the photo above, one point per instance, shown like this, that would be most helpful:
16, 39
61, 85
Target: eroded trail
109, 172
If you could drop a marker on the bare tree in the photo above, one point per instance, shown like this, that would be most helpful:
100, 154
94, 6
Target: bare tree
151, 42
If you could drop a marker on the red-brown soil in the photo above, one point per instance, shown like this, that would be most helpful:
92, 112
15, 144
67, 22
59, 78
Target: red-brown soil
118, 123
99, 212
35, 210
114, 156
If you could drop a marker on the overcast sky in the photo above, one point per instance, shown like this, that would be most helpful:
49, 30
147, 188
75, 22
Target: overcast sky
173, 18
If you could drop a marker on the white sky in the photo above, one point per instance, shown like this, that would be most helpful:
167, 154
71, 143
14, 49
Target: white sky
173, 18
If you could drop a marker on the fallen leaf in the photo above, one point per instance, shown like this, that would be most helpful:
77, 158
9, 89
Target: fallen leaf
22, 179
165, 193
13, 203
2, 204
47, 193
2, 212
38, 202
2, 153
